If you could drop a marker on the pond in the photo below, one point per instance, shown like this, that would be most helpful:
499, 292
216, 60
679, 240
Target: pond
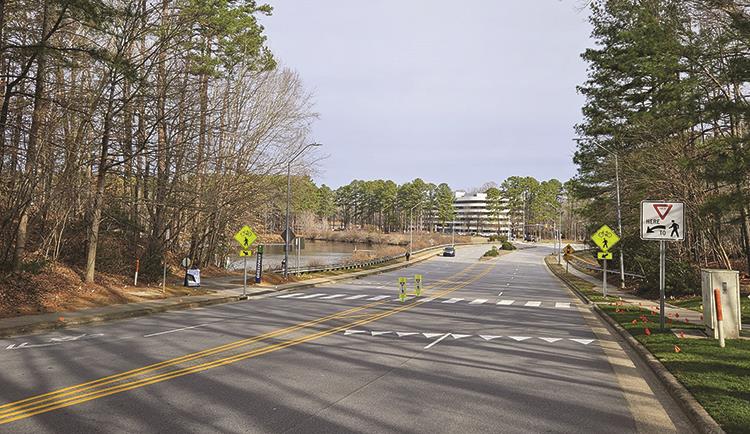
311, 253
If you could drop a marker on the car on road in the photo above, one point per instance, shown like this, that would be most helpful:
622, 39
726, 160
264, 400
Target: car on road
449, 251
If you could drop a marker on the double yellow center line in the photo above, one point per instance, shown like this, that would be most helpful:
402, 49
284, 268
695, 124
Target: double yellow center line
147, 375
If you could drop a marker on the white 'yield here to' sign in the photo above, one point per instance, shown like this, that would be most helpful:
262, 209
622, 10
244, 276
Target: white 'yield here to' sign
662, 221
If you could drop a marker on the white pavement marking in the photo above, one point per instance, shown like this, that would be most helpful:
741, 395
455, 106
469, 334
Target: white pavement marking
354, 297
333, 296
402, 334
479, 301
562, 305
436, 341
582, 341
431, 335
294, 294
176, 330
453, 300
455, 336
353, 332
311, 296
506, 302
425, 300
533, 303
489, 337
500, 295
26, 345
380, 333
519, 338
378, 297
550, 340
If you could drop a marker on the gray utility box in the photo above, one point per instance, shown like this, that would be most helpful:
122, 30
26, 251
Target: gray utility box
728, 284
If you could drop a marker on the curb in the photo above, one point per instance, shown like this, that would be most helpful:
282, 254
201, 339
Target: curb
123, 314
687, 402
150, 310
697, 414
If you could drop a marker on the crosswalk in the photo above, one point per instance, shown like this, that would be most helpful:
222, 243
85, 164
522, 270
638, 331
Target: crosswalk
455, 336
453, 300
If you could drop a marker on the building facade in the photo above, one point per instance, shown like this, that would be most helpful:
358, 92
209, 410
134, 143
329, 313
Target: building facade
473, 216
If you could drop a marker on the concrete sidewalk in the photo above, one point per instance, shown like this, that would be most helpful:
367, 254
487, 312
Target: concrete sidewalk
677, 314
224, 291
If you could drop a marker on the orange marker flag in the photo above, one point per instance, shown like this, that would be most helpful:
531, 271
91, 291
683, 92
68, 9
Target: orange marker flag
635, 321
647, 331
677, 349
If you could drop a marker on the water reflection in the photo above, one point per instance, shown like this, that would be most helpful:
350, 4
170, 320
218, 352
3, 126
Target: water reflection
312, 253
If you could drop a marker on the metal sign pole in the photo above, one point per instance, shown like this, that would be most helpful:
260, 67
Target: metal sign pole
604, 279
662, 261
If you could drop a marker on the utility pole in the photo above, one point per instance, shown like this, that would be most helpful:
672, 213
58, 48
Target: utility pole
288, 199
619, 208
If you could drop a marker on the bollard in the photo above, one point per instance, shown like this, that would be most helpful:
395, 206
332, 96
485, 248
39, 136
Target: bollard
137, 267
719, 317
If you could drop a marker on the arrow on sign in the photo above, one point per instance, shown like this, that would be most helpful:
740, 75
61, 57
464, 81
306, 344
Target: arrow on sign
650, 230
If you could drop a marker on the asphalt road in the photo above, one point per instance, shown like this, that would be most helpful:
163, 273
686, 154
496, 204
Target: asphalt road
490, 346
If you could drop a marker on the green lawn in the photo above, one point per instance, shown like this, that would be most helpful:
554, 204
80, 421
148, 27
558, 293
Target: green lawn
719, 378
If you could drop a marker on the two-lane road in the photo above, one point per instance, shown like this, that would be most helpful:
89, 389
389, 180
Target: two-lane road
490, 346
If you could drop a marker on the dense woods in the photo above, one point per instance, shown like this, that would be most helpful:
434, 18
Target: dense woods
130, 128
668, 93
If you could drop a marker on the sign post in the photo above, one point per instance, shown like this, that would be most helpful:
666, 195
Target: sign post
605, 238
245, 237
662, 221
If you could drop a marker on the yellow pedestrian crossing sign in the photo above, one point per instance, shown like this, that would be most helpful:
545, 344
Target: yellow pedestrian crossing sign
245, 237
605, 238
568, 250
418, 284
402, 290
246, 253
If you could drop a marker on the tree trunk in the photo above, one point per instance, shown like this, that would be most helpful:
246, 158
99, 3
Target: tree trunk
96, 212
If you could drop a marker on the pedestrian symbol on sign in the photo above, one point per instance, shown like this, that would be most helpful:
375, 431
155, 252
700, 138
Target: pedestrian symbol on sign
675, 230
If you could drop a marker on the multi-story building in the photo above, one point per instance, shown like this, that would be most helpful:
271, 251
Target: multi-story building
473, 216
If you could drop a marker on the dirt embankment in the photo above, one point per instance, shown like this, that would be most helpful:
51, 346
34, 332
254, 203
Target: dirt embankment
58, 288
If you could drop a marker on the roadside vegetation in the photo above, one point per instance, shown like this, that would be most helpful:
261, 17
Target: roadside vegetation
717, 377
668, 94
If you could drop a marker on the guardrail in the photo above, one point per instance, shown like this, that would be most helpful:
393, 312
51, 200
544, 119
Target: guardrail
580, 263
363, 264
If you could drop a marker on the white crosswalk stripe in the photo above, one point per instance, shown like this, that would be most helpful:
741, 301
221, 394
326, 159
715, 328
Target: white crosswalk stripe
294, 294
333, 296
354, 297
533, 303
378, 297
310, 296
479, 301
453, 300
506, 302
562, 305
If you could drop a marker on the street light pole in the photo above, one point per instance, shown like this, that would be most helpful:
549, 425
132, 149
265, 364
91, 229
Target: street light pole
619, 210
411, 228
288, 199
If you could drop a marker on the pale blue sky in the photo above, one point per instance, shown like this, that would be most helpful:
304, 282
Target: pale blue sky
457, 92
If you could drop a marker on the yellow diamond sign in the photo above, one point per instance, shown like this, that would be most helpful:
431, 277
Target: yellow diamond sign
605, 238
245, 237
